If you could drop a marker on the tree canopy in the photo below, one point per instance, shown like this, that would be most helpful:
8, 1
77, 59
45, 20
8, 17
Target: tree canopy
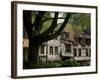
81, 21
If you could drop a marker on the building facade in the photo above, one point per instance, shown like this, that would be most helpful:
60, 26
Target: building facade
82, 49
68, 45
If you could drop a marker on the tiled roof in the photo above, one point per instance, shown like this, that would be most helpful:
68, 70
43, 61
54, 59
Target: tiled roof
76, 33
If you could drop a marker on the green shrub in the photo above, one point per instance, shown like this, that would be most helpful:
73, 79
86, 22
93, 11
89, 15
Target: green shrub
69, 63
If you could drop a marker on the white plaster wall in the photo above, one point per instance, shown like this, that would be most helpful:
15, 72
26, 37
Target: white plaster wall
53, 43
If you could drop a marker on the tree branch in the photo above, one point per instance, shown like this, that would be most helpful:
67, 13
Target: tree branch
51, 36
49, 30
38, 20
52, 27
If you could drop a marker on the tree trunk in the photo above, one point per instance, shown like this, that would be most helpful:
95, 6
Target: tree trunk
33, 54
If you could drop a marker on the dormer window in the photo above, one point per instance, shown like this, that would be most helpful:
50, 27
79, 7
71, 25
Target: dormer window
67, 36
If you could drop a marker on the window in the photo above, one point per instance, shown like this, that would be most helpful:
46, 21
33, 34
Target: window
79, 52
67, 36
56, 50
88, 41
89, 52
42, 49
79, 40
62, 36
76, 40
75, 52
86, 51
51, 50
68, 48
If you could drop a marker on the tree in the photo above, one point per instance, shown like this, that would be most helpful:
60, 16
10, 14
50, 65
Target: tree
33, 22
81, 21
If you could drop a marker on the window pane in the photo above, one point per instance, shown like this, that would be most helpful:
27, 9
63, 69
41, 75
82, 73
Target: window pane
56, 50
68, 48
89, 52
67, 36
79, 52
75, 52
51, 50
86, 50
42, 49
